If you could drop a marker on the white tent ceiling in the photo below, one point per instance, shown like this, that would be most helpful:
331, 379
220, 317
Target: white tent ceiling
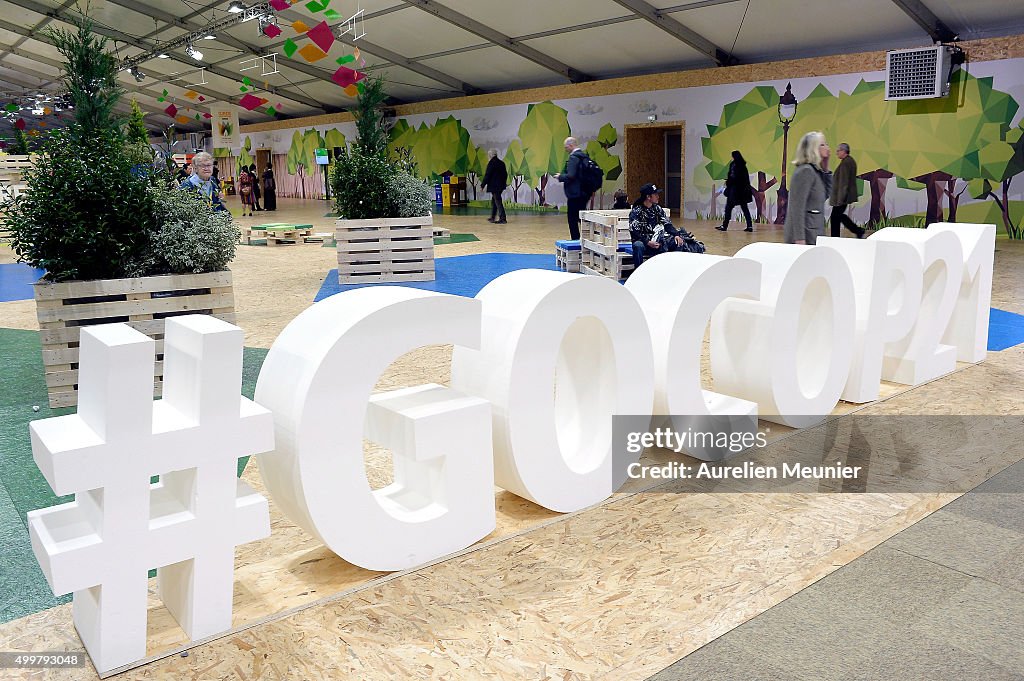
428, 49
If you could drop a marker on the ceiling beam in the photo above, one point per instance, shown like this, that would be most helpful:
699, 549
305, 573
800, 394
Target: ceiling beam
926, 19
666, 23
38, 27
114, 34
500, 39
50, 79
225, 38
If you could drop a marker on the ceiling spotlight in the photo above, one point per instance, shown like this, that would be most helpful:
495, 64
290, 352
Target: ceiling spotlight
163, 56
236, 6
191, 51
210, 37
137, 74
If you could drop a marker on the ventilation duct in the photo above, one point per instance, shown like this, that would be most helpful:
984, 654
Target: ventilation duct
920, 72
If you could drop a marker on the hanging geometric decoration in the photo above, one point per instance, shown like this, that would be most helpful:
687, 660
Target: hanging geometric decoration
312, 53
321, 36
249, 102
345, 76
171, 110
290, 47
300, 27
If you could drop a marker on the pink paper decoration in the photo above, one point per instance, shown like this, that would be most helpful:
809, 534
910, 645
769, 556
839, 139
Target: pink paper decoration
321, 36
249, 102
271, 30
171, 110
279, 4
207, 115
345, 76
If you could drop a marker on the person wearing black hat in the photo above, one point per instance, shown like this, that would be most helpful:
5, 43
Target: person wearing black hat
650, 229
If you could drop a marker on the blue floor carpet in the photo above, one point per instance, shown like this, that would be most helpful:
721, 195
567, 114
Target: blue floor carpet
1005, 329
465, 275
461, 275
16, 281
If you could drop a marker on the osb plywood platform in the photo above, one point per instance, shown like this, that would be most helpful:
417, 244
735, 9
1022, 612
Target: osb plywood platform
617, 591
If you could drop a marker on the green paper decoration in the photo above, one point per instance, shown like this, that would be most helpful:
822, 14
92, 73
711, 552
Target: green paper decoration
290, 47
12, 107
346, 59
331, 15
361, 87
246, 81
271, 111
243, 89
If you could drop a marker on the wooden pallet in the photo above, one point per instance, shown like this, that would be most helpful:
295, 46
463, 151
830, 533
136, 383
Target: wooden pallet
567, 257
393, 249
143, 303
442, 233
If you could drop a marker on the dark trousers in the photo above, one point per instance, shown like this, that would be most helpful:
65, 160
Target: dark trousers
729, 205
641, 251
574, 206
497, 207
840, 218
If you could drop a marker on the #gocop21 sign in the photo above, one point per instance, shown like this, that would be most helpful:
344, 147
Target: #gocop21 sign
793, 330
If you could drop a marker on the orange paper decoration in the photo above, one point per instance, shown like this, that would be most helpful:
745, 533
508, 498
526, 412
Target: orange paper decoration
312, 53
351, 90
300, 27
182, 119
191, 94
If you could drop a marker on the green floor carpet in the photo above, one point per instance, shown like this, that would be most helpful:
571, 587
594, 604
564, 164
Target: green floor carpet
23, 589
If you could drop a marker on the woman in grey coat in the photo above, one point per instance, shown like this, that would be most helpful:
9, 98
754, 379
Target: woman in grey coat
808, 189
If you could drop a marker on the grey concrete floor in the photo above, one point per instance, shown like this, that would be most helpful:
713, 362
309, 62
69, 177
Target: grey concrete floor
943, 599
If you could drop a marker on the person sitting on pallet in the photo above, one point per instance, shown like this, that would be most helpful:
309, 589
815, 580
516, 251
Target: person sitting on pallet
201, 180
651, 231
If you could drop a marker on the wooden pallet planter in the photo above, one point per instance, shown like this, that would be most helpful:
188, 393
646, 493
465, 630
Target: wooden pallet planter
143, 303
391, 249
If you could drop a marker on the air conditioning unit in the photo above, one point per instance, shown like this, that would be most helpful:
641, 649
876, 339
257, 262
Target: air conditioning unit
918, 73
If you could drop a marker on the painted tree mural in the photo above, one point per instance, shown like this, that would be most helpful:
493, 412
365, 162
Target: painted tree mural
1000, 162
518, 167
597, 149
935, 144
542, 134
476, 166
401, 140
301, 157
334, 138
751, 125
863, 123
444, 147
935, 140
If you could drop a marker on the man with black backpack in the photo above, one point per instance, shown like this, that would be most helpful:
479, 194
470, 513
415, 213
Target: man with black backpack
578, 178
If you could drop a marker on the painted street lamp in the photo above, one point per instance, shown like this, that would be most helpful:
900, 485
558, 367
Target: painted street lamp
787, 112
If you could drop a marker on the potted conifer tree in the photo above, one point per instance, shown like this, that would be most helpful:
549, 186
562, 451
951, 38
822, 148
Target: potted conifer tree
385, 230
102, 221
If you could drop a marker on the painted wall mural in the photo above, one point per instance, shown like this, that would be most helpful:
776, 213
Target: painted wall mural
956, 158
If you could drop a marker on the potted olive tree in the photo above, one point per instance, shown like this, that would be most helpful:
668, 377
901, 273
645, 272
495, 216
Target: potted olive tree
385, 231
117, 240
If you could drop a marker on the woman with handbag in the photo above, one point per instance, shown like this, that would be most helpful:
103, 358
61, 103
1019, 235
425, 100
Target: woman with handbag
245, 190
808, 189
737, 191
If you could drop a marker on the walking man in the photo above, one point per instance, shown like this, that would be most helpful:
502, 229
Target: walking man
844, 192
495, 180
576, 198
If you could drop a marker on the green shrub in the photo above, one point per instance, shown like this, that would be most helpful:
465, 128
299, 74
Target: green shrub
85, 214
360, 183
412, 196
191, 236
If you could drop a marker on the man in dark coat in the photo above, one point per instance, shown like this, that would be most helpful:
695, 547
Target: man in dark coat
844, 192
495, 180
576, 198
